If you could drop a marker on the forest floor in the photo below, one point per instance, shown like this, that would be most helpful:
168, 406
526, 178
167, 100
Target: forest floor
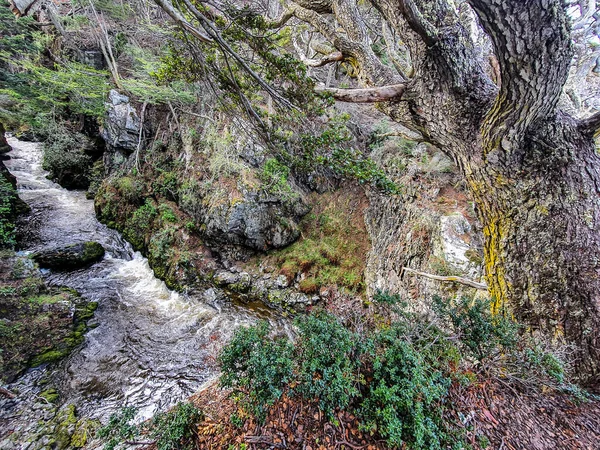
510, 419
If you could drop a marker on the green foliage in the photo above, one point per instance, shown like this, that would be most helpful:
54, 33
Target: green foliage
171, 430
8, 199
65, 155
130, 188
327, 358
256, 368
480, 331
166, 184
396, 379
31, 87
174, 429
331, 148
275, 175
139, 223
120, 428
166, 213
410, 380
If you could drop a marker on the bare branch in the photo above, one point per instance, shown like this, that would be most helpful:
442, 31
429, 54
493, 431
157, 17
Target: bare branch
327, 59
459, 280
591, 125
168, 7
368, 95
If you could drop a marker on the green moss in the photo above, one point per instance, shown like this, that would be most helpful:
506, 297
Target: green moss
67, 420
51, 395
92, 251
48, 357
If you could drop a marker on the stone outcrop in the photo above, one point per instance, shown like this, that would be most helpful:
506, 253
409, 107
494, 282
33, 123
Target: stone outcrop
121, 129
70, 257
256, 221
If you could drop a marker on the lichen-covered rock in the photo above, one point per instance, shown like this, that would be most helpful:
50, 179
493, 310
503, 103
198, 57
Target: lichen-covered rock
255, 222
72, 256
457, 245
122, 125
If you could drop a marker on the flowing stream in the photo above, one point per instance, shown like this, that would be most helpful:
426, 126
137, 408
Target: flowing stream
152, 347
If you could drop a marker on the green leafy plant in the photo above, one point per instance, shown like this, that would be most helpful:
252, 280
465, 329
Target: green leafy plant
480, 331
8, 198
410, 380
327, 356
120, 428
175, 429
257, 368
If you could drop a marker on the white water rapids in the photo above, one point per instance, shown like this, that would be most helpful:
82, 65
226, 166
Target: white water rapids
151, 347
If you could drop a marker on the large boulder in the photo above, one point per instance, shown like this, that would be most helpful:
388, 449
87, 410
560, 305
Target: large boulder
70, 257
122, 125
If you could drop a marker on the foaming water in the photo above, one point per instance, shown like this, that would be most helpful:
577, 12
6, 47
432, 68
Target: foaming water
152, 347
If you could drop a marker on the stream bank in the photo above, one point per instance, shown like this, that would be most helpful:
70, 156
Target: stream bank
150, 347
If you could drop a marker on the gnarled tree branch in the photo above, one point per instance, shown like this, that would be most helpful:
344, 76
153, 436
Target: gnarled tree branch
532, 42
591, 125
367, 95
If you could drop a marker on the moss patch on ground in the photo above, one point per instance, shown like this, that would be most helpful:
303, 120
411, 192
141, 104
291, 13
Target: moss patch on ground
38, 324
333, 246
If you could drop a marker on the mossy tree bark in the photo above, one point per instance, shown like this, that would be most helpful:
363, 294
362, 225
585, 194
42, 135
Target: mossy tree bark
532, 170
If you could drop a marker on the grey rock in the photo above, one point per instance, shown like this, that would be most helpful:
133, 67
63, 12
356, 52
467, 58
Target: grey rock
70, 257
255, 222
121, 125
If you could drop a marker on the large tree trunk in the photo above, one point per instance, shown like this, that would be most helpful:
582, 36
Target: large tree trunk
540, 210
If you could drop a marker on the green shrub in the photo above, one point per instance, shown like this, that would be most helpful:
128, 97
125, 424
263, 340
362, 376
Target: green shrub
120, 428
65, 156
327, 356
130, 189
484, 334
275, 175
410, 380
256, 368
8, 198
139, 223
175, 429
166, 185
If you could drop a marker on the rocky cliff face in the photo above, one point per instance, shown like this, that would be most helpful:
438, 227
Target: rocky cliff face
199, 206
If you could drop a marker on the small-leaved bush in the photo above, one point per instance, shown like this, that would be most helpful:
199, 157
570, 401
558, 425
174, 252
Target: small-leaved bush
483, 333
170, 430
120, 428
327, 355
396, 385
396, 377
275, 175
175, 429
8, 197
256, 368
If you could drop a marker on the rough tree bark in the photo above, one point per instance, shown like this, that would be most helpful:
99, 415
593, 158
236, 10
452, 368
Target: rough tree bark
531, 169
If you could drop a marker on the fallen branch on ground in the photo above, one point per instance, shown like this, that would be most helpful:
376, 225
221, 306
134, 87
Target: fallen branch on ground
453, 279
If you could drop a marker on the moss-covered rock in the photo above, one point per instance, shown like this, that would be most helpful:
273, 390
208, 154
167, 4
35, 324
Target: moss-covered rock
38, 324
72, 256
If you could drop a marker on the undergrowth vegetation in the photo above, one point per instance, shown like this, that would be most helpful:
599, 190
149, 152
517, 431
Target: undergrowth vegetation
332, 249
397, 377
8, 198
170, 430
